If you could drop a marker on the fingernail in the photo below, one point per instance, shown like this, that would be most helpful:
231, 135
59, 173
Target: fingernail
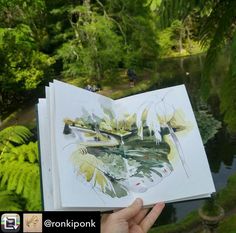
139, 201
160, 204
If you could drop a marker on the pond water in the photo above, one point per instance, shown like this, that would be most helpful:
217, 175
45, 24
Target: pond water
221, 151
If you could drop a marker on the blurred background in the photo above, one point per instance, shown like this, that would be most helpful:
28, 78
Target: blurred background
94, 45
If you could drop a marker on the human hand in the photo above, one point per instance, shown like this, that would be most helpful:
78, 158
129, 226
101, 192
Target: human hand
132, 219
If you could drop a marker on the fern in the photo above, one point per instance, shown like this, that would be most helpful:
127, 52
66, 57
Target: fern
9, 201
19, 172
16, 134
22, 153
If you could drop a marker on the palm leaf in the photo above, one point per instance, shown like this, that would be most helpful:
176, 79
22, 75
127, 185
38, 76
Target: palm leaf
94, 172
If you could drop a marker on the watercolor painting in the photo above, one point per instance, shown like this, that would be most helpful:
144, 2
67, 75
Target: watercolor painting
122, 151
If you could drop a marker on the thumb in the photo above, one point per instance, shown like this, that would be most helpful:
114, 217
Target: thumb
130, 211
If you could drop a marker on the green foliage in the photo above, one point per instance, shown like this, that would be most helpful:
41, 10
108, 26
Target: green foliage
217, 29
22, 67
207, 124
228, 90
140, 27
17, 134
190, 222
9, 201
30, 13
105, 36
23, 64
210, 207
217, 20
171, 10
227, 196
153, 4
91, 52
228, 225
175, 41
23, 178
19, 168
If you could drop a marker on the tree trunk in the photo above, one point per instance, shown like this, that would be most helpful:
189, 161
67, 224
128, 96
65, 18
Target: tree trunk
181, 41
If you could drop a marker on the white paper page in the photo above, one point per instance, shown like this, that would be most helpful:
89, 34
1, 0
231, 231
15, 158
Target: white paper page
55, 177
186, 172
84, 180
46, 162
45, 155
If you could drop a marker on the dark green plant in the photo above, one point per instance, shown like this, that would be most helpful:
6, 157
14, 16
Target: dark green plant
210, 208
207, 124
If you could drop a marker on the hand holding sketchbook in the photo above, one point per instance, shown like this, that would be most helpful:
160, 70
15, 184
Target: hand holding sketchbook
99, 154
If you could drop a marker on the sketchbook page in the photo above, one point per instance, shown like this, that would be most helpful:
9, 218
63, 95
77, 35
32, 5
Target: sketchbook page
45, 155
46, 162
183, 200
164, 153
55, 180
81, 149
203, 196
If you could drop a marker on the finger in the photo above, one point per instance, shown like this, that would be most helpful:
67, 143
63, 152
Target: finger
131, 211
139, 217
116, 210
152, 216
104, 217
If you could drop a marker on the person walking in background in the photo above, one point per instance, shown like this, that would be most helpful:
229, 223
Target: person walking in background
132, 77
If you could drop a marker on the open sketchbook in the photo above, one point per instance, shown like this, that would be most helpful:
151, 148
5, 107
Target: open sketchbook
100, 154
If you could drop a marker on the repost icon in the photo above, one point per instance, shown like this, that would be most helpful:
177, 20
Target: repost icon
10, 222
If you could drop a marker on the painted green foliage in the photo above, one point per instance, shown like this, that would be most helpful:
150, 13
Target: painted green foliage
117, 151
114, 157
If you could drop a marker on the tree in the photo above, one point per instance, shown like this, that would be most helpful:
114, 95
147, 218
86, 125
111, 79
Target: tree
217, 20
94, 49
137, 24
23, 66
32, 13
104, 36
